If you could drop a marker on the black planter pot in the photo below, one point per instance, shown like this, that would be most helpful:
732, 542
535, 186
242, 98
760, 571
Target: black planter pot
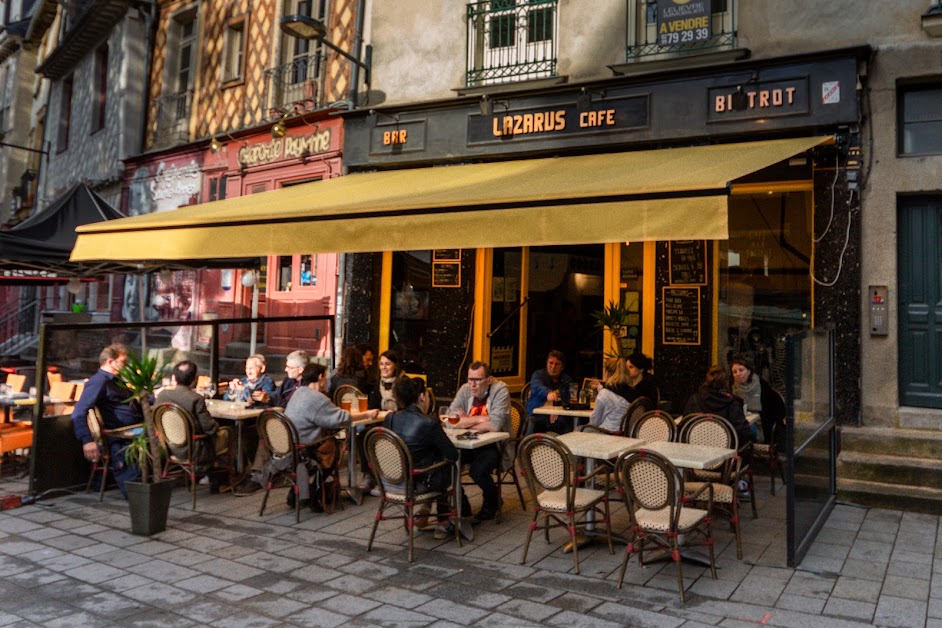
149, 504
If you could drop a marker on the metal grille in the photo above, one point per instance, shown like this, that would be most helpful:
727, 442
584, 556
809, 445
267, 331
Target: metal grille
511, 40
296, 82
642, 44
173, 117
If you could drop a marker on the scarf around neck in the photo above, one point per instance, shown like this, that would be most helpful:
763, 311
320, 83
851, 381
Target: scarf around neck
751, 393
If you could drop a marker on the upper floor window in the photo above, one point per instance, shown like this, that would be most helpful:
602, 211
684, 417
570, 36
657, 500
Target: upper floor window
920, 120
65, 114
664, 29
511, 40
6, 96
186, 52
298, 75
100, 88
233, 68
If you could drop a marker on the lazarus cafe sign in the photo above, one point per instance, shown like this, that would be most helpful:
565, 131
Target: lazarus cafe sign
288, 147
683, 22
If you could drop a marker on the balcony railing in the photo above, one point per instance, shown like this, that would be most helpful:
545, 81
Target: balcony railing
642, 44
296, 82
173, 117
511, 40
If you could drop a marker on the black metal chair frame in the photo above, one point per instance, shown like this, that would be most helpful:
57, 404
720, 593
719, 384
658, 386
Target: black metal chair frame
102, 437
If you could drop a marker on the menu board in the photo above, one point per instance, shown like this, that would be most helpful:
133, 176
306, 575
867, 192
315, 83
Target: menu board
446, 275
688, 263
680, 322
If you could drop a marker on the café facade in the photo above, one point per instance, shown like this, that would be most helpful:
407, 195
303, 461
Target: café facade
712, 206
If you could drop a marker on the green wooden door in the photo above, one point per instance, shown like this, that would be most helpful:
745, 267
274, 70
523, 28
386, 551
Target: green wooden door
920, 302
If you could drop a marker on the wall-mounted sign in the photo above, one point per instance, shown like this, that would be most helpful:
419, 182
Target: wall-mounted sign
683, 22
288, 147
680, 316
569, 119
446, 274
764, 99
687, 262
446, 255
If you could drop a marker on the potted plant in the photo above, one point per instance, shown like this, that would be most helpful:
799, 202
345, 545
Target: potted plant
614, 318
148, 499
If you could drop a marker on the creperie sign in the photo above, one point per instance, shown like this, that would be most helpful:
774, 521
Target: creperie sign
288, 147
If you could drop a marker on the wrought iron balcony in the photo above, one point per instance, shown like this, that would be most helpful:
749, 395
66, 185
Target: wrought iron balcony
511, 40
642, 35
298, 81
173, 118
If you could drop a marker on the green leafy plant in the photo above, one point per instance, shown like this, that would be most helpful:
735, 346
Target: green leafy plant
141, 377
614, 318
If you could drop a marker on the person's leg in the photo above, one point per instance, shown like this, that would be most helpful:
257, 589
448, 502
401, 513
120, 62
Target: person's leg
120, 470
482, 468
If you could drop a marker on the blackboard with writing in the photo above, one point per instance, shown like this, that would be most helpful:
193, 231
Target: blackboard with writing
446, 275
680, 323
688, 262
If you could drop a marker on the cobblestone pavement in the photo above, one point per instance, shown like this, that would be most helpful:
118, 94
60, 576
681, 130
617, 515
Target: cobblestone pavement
71, 560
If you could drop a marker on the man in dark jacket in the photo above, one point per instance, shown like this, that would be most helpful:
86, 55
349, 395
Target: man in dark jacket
715, 398
426, 441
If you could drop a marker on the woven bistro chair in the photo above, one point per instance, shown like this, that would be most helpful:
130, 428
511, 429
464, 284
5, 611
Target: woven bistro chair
391, 465
715, 431
103, 438
551, 479
525, 394
346, 392
518, 428
636, 408
655, 425
280, 437
655, 498
177, 431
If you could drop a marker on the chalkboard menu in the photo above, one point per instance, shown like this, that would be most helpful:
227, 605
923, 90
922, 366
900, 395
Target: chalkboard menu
680, 323
688, 263
446, 275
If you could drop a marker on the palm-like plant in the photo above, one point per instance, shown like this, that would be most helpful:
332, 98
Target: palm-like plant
143, 376
614, 318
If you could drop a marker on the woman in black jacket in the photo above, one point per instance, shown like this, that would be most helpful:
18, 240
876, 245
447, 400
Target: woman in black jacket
758, 396
715, 398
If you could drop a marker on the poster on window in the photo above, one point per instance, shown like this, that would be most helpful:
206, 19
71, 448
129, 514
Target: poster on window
683, 22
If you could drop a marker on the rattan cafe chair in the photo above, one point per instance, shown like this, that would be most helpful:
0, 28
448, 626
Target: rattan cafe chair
518, 427
103, 437
655, 425
551, 479
715, 431
391, 465
655, 498
280, 437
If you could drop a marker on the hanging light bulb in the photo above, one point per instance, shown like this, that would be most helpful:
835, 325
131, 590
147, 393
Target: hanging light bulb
248, 279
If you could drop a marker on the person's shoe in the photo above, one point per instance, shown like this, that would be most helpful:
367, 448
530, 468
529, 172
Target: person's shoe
421, 516
247, 487
482, 516
442, 532
291, 497
366, 484
376, 491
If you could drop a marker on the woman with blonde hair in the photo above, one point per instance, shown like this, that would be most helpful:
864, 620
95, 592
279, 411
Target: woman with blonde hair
610, 404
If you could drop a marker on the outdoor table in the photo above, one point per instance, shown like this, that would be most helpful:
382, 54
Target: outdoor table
595, 446
549, 409
483, 439
355, 495
9, 402
237, 412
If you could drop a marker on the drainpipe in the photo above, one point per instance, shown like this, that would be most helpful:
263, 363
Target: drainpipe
357, 50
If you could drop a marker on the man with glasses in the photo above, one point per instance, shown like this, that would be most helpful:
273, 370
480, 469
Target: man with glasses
102, 391
294, 366
483, 405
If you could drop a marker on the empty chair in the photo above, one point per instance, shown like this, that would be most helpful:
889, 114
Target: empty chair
53, 377
654, 491
655, 425
518, 427
62, 391
391, 465
715, 431
551, 478
16, 382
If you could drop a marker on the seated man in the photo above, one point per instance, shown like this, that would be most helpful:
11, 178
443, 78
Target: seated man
294, 365
255, 380
426, 441
483, 405
310, 410
549, 384
180, 392
102, 391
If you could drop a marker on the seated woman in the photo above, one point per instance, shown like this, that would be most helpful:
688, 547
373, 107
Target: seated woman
426, 441
241, 389
758, 396
610, 404
715, 397
349, 372
389, 371
640, 382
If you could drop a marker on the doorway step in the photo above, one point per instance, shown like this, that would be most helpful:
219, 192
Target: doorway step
891, 468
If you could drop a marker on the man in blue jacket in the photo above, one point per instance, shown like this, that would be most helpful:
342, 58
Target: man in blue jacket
549, 384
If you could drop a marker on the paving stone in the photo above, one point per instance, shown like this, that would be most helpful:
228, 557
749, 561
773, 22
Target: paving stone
810, 585
398, 596
526, 609
231, 569
912, 588
865, 569
352, 605
160, 595
273, 605
315, 574
759, 590
321, 618
35, 577
897, 611
351, 584
94, 573
850, 609
122, 559
628, 616
270, 562
451, 611
801, 603
204, 584
237, 592
858, 589
83, 619
109, 605
575, 602
906, 569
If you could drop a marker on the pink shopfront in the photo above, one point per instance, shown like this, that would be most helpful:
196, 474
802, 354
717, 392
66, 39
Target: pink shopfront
238, 164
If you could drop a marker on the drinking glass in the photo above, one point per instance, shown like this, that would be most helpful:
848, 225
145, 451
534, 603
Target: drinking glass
453, 420
362, 403
443, 416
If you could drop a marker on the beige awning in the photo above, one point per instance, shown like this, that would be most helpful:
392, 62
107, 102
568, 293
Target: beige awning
668, 194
